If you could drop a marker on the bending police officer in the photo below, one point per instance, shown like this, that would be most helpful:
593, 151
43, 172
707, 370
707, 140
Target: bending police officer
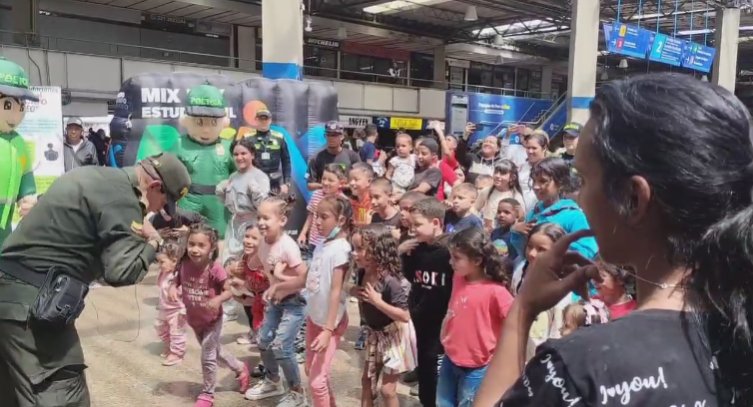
90, 224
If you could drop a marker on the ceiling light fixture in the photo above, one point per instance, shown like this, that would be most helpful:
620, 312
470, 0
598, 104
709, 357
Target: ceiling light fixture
342, 33
471, 14
623, 64
499, 39
308, 27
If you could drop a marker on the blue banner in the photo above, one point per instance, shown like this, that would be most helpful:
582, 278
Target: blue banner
625, 39
667, 50
698, 57
633, 41
493, 113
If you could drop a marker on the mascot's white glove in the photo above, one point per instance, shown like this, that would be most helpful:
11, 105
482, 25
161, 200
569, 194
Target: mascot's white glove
25, 204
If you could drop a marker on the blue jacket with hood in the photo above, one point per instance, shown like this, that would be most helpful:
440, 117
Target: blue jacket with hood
569, 216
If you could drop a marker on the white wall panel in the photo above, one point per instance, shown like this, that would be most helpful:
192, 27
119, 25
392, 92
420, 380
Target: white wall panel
239, 76
350, 95
432, 103
377, 97
93, 73
405, 100
133, 68
195, 69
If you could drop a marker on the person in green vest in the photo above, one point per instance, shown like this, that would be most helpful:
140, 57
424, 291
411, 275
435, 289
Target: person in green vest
205, 154
17, 185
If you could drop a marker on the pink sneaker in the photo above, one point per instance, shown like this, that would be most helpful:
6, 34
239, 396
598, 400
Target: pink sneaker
244, 379
204, 400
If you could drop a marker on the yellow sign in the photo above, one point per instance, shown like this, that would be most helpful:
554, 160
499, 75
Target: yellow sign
407, 123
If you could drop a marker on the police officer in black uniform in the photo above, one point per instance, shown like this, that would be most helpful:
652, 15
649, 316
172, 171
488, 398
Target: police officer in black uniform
272, 154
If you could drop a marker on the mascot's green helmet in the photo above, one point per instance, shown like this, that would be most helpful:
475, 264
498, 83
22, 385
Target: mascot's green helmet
14, 82
205, 101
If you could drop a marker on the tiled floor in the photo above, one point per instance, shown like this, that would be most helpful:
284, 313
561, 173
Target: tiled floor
122, 352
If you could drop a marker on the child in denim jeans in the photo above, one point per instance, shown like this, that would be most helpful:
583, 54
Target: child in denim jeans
281, 261
479, 304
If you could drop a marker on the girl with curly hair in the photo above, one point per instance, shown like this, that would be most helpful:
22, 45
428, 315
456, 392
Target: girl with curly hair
383, 301
479, 304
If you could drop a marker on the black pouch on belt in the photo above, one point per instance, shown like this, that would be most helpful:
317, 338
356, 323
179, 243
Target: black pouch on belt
60, 300
61, 297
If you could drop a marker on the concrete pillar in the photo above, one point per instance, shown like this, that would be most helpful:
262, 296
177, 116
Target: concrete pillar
440, 67
546, 80
246, 39
282, 36
584, 37
727, 32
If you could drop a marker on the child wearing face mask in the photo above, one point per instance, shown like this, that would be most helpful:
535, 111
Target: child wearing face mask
327, 319
334, 178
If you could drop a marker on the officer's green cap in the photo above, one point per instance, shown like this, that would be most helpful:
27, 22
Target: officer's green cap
205, 101
14, 82
173, 174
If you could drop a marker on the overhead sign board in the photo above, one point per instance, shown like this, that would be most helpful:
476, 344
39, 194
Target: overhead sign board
626, 39
667, 50
698, 57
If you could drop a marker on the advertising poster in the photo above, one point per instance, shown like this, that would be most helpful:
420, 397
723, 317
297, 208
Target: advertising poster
492, 113
42, 129
149, 106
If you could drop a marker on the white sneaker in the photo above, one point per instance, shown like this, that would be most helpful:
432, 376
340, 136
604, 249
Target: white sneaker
265, 389
293, 399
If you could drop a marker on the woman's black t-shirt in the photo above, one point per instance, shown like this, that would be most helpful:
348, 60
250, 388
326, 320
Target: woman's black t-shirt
647, 358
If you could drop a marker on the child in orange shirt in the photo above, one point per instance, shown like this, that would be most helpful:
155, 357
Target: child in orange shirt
360, 177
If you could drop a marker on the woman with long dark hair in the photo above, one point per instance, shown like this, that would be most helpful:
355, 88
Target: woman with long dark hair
667, 168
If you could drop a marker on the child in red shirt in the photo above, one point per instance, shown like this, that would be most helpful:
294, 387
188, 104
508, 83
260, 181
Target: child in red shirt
478, 306
613, 290
248, 283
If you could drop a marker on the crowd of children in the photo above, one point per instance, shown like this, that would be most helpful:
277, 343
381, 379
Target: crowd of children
425, 272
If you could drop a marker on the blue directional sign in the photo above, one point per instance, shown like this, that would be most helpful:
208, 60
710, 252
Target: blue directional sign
698, 57
667, 50
627, 40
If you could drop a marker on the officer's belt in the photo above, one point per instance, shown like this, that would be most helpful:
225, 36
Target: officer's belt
199, 189
23, 273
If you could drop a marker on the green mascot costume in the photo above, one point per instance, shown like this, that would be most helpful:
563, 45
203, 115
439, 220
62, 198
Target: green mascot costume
205, 154
16, 177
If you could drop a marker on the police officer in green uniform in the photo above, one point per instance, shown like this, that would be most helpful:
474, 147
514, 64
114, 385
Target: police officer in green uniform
272, 154
92, 223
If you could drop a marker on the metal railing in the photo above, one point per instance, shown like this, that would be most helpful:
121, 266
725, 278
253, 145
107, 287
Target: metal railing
157, 54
